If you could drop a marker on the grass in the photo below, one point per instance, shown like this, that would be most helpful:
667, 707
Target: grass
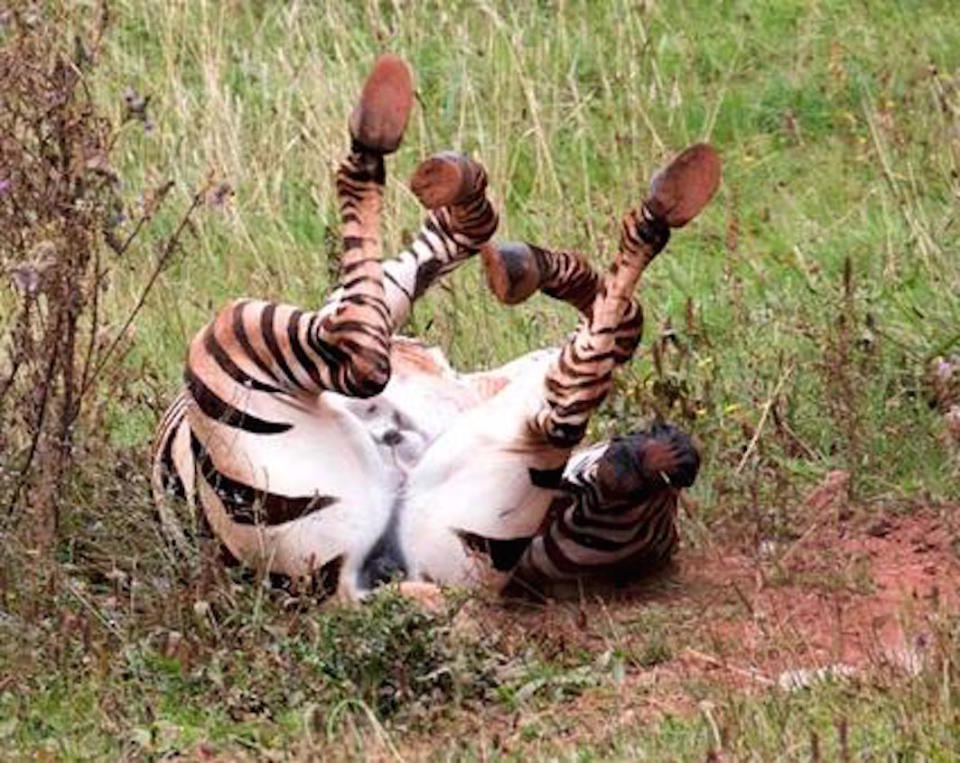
839, 143
793, 328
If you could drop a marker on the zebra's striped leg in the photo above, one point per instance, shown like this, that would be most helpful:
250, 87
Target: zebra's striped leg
460, 219
514, 271
454, 187
616, 515
583, 374
358, 330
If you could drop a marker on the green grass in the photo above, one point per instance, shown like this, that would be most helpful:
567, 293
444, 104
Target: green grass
838, 134
839, 127
389, 682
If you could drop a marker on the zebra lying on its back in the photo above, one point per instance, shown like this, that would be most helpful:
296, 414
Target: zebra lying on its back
318, 443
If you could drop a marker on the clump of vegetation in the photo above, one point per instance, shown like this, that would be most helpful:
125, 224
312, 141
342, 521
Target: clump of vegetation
65, 232
389, 654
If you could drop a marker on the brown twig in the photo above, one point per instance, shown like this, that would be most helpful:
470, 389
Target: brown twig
169, 249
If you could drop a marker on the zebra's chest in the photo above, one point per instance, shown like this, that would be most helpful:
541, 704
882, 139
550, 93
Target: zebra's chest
423, 399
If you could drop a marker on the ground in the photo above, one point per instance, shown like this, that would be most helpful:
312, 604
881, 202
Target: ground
844, 602
851, 607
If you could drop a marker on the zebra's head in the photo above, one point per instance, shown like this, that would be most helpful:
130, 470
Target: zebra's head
637, 465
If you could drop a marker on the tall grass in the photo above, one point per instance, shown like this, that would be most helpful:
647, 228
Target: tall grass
839, 136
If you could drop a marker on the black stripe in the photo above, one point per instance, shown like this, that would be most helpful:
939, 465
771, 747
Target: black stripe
332, 355
368, 301
569, 384
587, 540
432, 225
503, 554
352, 242
240, 332
348, 192
293, 335
422, 238
169, 478
247, 505
427, 273
400, 287
357, 327
231, 369
648, 528
549, 479
219, 410
557, 557
582, 519
349, 267
267, 331
354, 282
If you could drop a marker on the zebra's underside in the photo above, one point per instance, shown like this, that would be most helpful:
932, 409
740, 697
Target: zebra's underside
318, 444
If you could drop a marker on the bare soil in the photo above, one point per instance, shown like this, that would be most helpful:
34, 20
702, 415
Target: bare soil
852, 594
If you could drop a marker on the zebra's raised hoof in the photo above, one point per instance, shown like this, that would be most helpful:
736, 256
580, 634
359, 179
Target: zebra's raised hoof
380, 118
512, 271
447, 179
683, 188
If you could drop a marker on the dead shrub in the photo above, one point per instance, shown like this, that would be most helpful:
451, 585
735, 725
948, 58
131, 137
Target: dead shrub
64, 229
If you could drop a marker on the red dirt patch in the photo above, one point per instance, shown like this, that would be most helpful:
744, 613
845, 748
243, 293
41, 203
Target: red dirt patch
848, 595
857, 595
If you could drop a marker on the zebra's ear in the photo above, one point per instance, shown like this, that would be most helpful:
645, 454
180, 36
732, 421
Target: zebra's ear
685, 186
380, 118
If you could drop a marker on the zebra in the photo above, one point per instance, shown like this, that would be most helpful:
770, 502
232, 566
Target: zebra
321, 445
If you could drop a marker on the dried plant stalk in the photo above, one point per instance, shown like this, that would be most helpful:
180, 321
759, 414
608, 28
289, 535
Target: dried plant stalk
61, 234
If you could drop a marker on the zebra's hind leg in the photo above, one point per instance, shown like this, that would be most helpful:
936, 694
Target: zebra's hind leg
172, 476
173, 480
616, 516
355, 334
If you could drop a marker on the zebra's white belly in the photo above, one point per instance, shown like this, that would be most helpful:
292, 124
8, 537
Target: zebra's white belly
406, 473
400, 425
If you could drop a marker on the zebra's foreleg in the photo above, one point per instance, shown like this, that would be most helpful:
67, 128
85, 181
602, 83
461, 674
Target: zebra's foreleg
460, 219
514, 271
577, 383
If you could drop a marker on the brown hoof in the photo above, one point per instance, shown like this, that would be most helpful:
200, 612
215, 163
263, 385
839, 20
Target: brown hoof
679, 192
445, 179
512, 271
427, 595
379, 119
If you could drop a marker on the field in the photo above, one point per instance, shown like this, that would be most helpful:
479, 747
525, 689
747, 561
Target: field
805, 329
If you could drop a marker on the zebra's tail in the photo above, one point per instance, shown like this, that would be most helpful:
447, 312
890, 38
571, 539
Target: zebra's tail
172, 480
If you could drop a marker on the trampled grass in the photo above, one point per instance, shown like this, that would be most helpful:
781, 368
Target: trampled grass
794, 323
